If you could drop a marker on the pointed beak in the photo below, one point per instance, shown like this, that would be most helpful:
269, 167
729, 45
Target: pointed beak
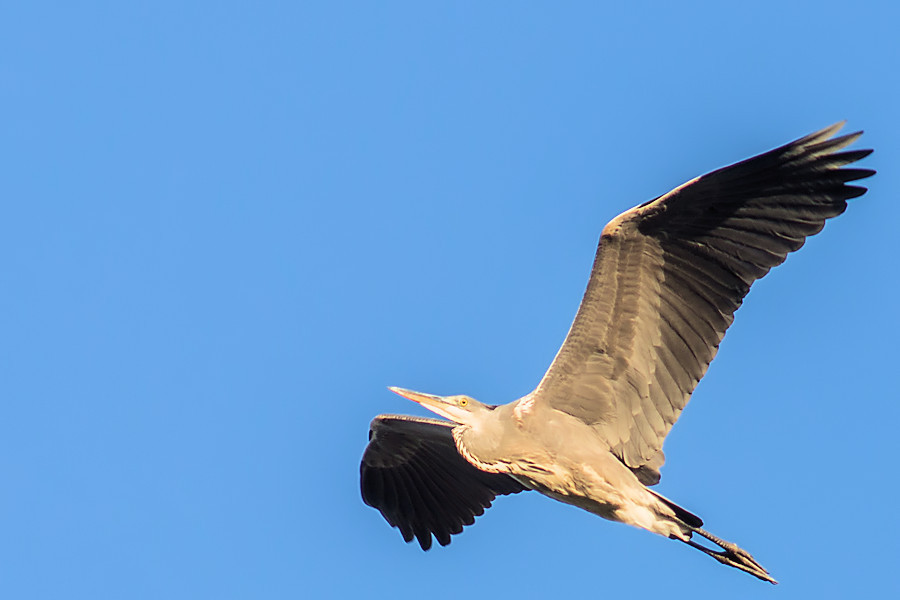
426, 400
436, 404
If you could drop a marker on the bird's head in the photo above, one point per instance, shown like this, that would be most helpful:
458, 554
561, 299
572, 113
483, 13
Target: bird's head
459, 409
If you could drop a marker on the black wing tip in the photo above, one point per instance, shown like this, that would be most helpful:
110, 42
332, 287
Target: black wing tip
854, 174
424, 540
854, 191
819, 153
825, 139
850, 156
825, 132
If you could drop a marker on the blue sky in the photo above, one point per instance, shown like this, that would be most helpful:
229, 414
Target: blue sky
227, 227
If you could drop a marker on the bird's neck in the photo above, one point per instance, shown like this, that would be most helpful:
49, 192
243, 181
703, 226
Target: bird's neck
482, 444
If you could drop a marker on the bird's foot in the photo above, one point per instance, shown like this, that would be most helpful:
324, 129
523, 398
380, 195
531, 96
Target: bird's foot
732, 555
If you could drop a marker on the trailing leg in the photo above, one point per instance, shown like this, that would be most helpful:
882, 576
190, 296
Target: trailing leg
730, 555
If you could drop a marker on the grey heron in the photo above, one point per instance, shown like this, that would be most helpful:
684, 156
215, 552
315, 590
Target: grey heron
667, 278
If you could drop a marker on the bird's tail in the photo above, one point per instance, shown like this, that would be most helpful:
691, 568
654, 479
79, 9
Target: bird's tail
730, 554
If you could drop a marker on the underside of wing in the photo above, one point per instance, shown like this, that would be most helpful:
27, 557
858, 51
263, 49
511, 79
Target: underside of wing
668, 277
412, 473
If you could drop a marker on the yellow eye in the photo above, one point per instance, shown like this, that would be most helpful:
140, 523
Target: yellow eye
463, 402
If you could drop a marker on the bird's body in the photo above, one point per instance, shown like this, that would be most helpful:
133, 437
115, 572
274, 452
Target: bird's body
560, 456
666, 280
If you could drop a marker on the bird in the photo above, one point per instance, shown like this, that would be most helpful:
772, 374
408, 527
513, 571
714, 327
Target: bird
667, 277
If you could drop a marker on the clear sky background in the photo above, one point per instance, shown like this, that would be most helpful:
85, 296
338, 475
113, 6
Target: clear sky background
227, 227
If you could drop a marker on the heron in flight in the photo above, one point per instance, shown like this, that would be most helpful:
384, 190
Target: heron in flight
667, 278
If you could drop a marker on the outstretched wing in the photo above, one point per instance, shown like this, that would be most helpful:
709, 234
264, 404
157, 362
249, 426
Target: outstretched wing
412, 473
668, 276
